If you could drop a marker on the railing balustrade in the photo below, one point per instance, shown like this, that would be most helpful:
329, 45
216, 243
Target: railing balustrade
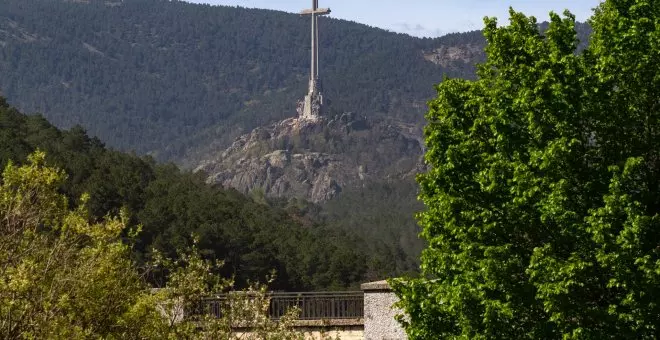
312, 305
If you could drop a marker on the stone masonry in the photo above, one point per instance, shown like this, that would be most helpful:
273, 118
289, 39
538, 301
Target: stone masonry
379, 322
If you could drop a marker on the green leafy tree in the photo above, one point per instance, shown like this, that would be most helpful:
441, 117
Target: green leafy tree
543, 194
62, 277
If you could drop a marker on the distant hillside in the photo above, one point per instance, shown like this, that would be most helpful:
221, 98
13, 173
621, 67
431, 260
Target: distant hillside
251, 236
200, 84
167, 77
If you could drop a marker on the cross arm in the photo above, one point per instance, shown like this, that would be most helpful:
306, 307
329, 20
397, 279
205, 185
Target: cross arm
318, 11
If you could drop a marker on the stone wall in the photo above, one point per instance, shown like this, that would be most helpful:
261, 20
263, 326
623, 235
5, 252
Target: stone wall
379, 322
345, 329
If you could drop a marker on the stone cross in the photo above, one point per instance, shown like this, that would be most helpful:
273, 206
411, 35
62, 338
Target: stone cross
313, 102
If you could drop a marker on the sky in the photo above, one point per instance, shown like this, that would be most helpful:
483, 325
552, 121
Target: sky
424, 18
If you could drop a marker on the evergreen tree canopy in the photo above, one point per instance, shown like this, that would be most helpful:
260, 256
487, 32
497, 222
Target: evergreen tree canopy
251, 237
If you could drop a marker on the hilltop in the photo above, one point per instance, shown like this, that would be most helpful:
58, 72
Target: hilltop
168, 78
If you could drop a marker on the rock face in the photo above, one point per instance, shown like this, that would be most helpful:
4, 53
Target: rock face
446, 55
315, 160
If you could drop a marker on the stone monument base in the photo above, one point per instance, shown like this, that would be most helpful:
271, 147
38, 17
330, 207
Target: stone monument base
311, 107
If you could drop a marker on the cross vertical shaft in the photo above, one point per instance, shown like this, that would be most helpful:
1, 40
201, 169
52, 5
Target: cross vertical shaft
311, 106
313, 75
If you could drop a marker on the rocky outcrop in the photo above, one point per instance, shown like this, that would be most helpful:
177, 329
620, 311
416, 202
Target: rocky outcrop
11, 30
315, 160
447, 55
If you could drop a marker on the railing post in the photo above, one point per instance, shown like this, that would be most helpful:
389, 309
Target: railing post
333, 311
379, 322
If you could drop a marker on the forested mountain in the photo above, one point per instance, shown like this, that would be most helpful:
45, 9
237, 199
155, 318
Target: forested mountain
251, 235
167, 77
183, 83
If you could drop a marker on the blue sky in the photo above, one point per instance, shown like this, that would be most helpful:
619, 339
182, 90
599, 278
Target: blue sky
424, 17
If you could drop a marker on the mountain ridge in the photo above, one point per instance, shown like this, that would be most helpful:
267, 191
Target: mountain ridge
169, 78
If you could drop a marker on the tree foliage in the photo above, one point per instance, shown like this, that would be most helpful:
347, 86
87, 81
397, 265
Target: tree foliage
66, 278
543, 197
62, 277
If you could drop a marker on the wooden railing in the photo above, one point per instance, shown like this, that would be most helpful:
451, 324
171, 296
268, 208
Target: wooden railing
312, 305
319, 305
